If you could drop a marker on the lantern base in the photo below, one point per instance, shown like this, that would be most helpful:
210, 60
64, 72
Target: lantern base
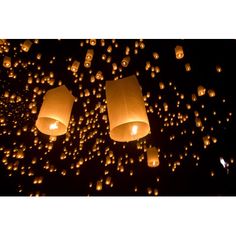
50, 126
129, 131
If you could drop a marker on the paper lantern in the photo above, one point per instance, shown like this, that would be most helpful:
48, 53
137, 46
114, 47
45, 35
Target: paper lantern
7, 62
152, 157
179, 52
55, 111
87, 64
26, 45
187, 67
201, 90
126, 110
125, 61
93, 42
75, 66
211, 93
89, 55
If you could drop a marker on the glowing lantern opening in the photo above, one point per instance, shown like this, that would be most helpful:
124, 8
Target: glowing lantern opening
55, 111
126, 110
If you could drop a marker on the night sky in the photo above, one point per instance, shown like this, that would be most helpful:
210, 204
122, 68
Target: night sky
72, 165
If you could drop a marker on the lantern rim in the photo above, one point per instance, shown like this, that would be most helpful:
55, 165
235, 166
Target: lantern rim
121, 133
43, 127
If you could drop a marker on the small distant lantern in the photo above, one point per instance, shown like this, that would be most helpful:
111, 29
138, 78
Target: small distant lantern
218, 68
26, 45
99, 186
89, 55
161, 85
75, 66
201, 90
87, 64
155, 55
55, 111
7, 62
179, 52
126, 110
187, 67
211, 93
125, 61
93, 42
152, 157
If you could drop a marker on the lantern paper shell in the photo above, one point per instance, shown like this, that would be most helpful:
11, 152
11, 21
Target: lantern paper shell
7, 62
126, 110
125, 61
179, 52
75, 66
55, 111
26, 45
89, 55
152, 157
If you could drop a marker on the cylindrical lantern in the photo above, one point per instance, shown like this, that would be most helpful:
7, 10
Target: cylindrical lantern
7, 62
152, 157
75, 66
89, 55
26, 45
55, 111
87, 64
179, 52
93, 42
126, 110
125, 61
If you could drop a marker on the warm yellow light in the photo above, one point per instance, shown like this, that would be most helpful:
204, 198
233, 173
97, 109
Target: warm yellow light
179, 53
134, 130
53, 126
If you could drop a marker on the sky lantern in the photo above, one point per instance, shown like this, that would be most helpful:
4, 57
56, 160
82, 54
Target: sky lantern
55, 111
7, 62
26, 45
75, 66
126, 110
152, 157
179, 52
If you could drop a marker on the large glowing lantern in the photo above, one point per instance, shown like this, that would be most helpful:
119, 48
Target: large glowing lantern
55, 111
126, 110
152, 157
26, 45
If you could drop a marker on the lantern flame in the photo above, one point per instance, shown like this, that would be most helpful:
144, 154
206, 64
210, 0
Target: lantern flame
134, 130
53, 126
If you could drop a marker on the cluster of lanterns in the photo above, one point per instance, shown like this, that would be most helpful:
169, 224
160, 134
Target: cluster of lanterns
126, 112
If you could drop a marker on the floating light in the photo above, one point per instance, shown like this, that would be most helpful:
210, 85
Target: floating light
179, 53
126, 110
201, 90
152, 157
75, 66
55, 111
125, 61
7, 62
26, 45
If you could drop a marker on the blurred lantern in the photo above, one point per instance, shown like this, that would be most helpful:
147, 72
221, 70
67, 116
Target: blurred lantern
161, 85
7, 62
26, 45
218, 68
152, 157
75, 66
125, 61
99, 186
93, 42
211, 93
201, 90
89, 55
155, 55
187, 67
87, 64
126, 110
55, 111
179, 53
